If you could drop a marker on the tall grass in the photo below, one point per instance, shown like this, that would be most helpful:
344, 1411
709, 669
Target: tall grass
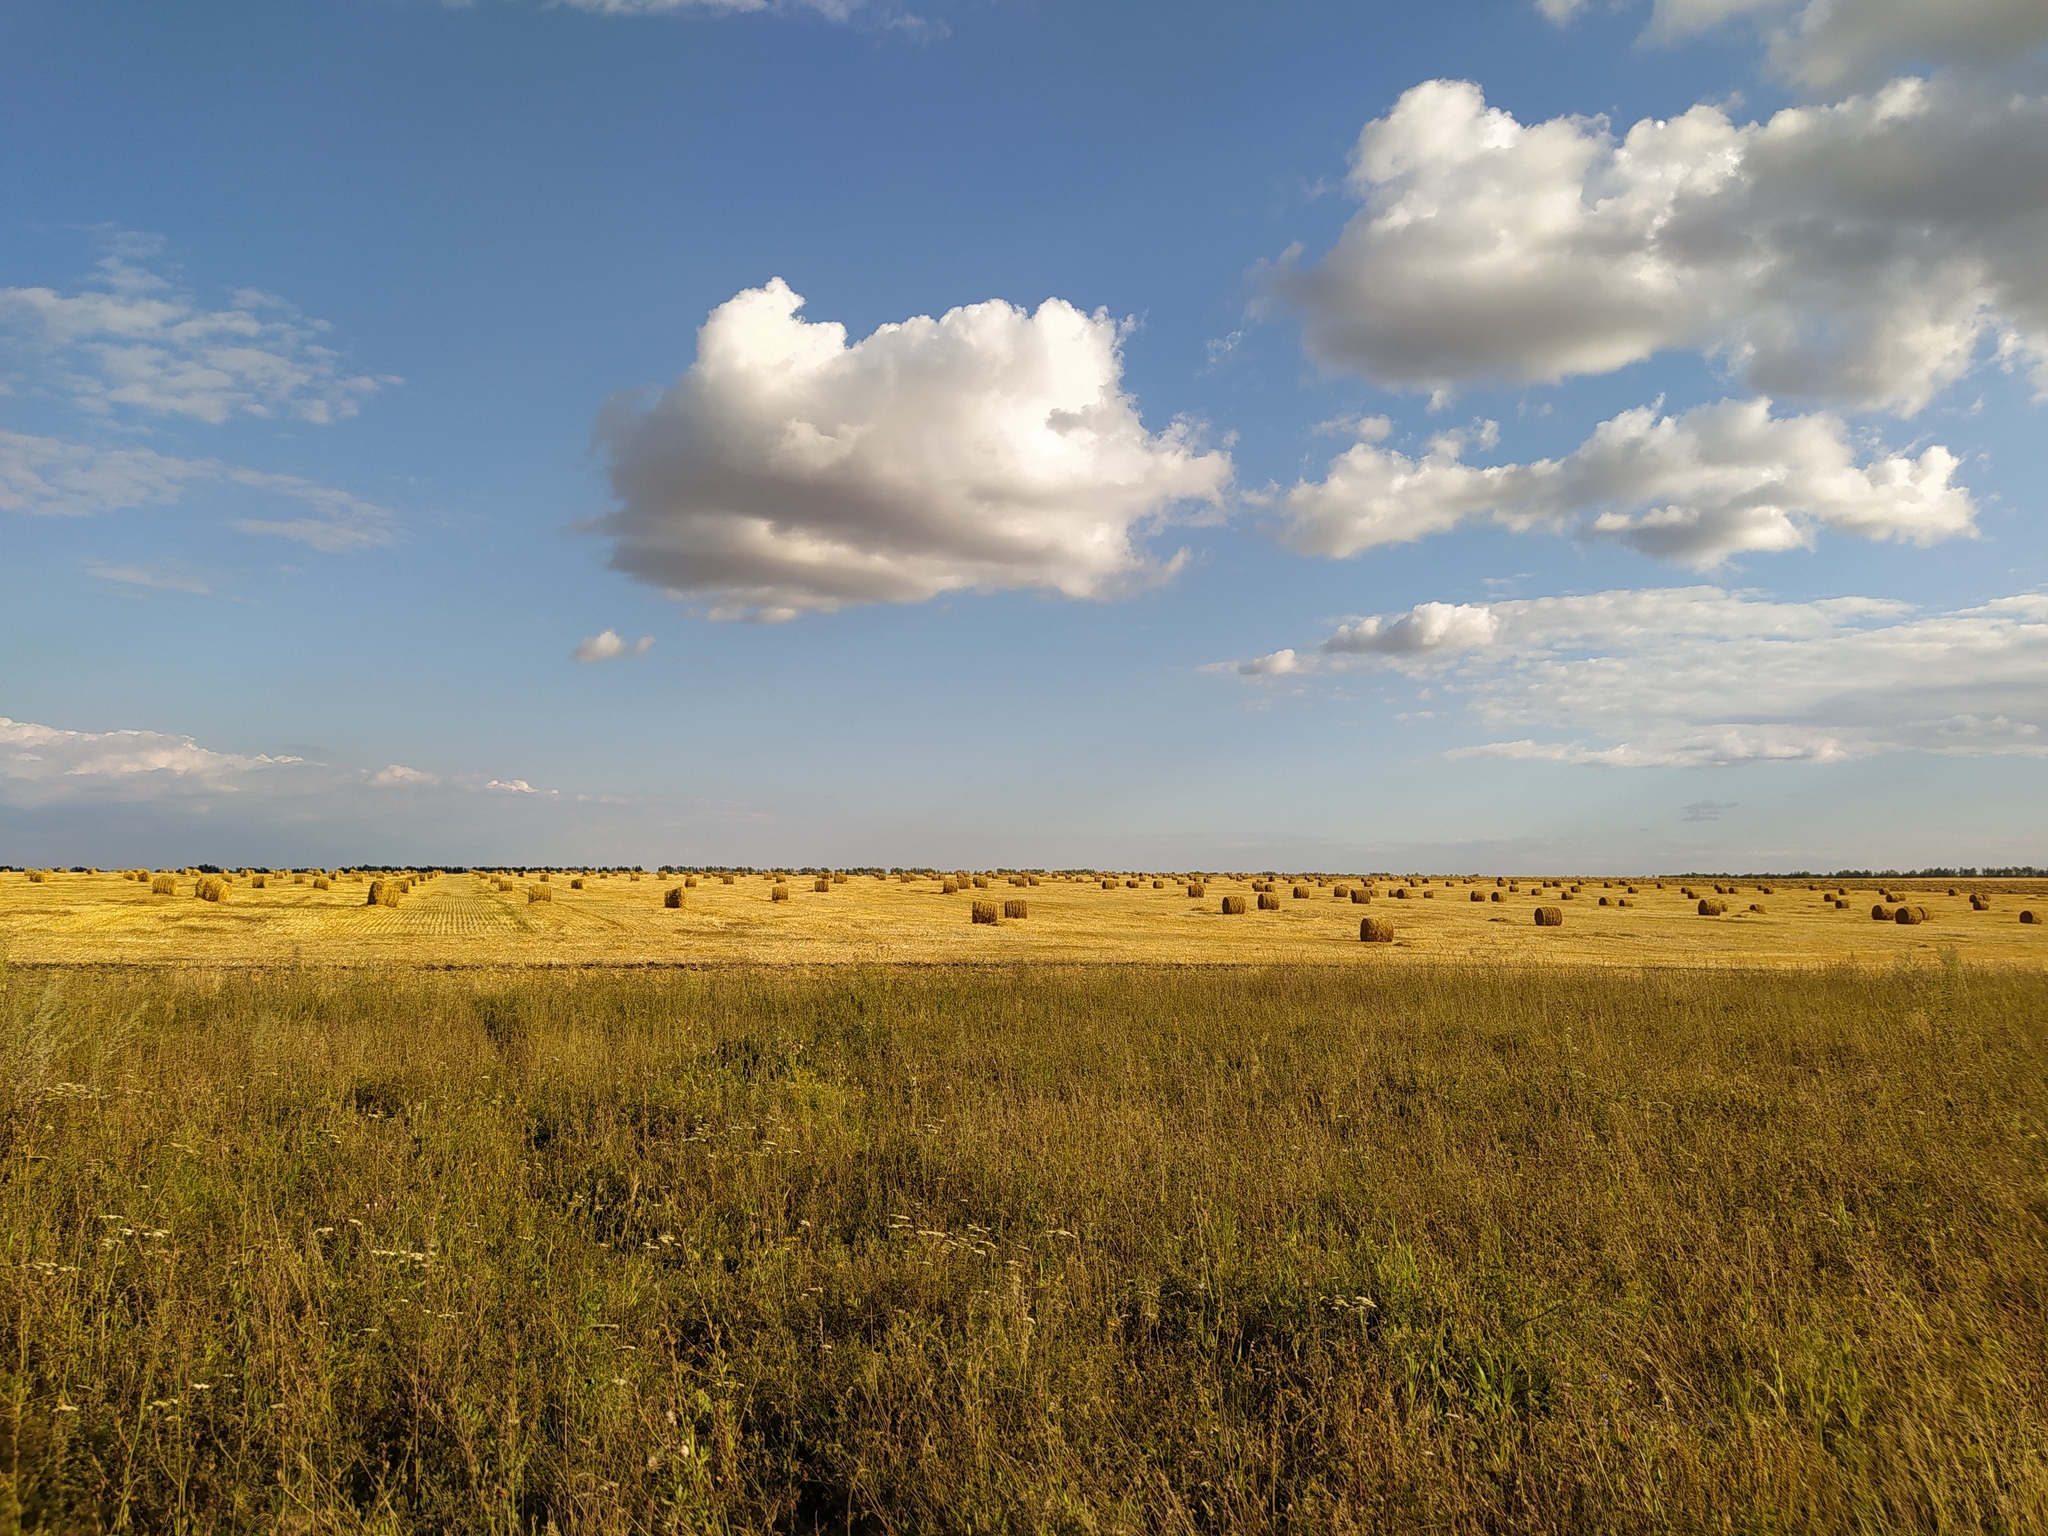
1110, 1249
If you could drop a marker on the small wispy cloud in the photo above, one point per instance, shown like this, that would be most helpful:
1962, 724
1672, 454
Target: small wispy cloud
609, 645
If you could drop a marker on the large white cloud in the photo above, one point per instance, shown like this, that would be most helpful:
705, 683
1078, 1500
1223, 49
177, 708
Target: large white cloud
989, 448
134, 344
1697, 488
1866, 253
50, 477
1701, 675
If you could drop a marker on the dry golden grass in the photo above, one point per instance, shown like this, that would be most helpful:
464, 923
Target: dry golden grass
485, 921
1292, 1251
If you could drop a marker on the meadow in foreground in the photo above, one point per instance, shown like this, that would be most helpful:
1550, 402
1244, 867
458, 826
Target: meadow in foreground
1059, 1249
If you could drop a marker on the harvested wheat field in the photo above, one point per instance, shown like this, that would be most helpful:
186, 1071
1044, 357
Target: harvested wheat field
498, 919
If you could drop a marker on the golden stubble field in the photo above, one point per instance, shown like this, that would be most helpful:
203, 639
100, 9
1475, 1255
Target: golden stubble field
489, 921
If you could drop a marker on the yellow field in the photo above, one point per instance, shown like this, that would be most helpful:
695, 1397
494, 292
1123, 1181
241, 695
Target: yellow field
465, 920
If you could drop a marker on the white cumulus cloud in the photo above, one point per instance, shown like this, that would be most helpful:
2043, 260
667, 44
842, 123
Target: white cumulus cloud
132, 343
1693, 676
990, 448
39, 762
609, 644
1866, 253
1696, 488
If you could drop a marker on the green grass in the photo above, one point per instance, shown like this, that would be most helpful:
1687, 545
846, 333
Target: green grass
1111, 1249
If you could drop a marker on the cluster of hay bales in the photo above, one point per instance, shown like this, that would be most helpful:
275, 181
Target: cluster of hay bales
1979, 902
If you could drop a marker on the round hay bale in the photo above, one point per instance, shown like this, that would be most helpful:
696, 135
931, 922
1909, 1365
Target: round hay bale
1109, 885
985, 912
1016, 909
1269, 901
575, 885
727, 879
672, 898
1498, 896
1881, 913
1910, 917
1301, 893
1360, 895
533, 893
1197, 890
778, 893
167, 885
949, 886
1709, 907
1603, 901
1343, 893
1479, 895
1375, 930
2028, 917
1232, 905
1550, 917
690, 883
1400, 893
981, 882
1755, 907
1979, 903
824, 883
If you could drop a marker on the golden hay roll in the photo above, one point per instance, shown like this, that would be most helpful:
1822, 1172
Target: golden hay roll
1109, 885
1301, 893
163, 885
1375, 930
985, 912
981, 882
689, 882
1603, 901
1481, 896
949, 886
1756, 907
1550, 917
1197, 889
1910, 917
1031, 879
778, 893
1342, 893
672, 898
1269, 901
1016, 909
1499, 896
322, 883
1712, 908
575, 885
1361, 894
212, 888
824, 883
1979, 902
2028, 917
39, 877
727, 879
1881, 913
535, 893
1232, 905
383, 893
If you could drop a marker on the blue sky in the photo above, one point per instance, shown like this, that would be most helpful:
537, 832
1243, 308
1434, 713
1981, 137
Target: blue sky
1481, 436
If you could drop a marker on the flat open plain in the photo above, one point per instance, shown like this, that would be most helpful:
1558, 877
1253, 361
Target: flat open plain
466, 920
